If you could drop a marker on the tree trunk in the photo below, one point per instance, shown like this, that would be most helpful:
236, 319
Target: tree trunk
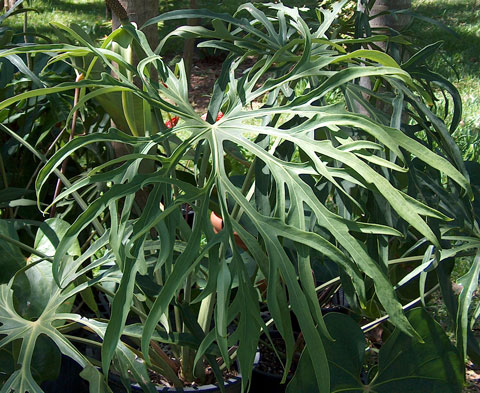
383, 24
139, 11
7, 4
393, 21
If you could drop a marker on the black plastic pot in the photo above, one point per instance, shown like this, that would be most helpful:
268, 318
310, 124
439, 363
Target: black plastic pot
263, 382
267, 382
232, 385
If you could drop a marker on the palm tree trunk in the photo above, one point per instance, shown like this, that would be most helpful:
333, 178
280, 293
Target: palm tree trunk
385, 22
139, 11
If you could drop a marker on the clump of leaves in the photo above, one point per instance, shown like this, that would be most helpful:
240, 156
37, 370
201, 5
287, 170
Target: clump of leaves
315, 169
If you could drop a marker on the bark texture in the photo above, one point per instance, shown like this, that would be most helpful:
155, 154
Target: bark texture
139, 11
396, 22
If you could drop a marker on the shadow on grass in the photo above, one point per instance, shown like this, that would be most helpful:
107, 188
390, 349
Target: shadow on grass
80, 7
463, 50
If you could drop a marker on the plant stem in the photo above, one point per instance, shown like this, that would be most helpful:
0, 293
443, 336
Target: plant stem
406, 259
178, 319
83, 340
3, 172
159, 351
163, 368
374, 324
204, 165
25, 39
187, 353
232, 352
72, 133
327, 284
247, 183
26, 248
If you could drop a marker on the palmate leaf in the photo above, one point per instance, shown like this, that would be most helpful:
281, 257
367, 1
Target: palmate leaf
31, 309
34, 334
15, 327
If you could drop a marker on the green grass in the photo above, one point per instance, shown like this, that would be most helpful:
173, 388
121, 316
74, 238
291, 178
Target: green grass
89, 14
458, 60
92, 17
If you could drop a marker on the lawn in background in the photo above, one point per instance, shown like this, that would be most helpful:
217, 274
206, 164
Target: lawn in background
458, 60
89, 14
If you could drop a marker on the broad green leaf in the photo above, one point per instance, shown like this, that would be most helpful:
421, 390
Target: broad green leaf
304, 378
11, 257
407, 365
41, 284
404, 363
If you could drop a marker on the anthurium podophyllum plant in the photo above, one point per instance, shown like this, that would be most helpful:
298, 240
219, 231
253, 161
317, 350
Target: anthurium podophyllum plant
298, 178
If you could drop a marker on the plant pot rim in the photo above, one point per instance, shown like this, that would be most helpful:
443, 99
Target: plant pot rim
209, 388
273, 334
200, 388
